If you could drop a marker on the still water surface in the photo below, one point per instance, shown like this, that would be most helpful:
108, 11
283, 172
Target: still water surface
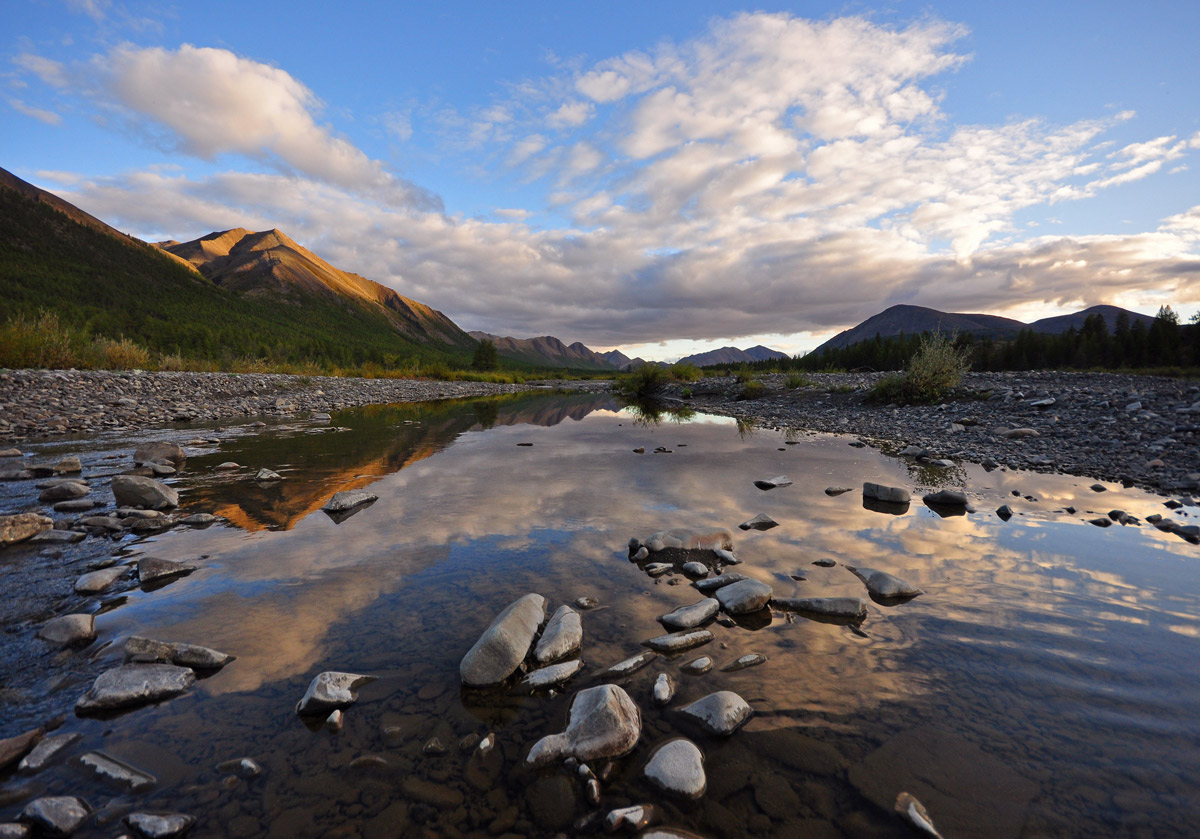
1046, 685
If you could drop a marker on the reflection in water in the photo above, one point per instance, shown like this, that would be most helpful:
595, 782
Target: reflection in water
651, 412
1044, 685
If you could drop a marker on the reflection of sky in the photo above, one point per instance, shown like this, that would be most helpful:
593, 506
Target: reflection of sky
1054, 642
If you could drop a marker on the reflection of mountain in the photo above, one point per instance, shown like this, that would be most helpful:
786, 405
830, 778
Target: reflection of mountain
381, 440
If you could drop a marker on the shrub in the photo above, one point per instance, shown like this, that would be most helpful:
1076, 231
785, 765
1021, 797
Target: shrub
120, 355
486, 356
934, 370
686, 372
647, 380
795, 380
686, 393
743, 374
753, 389
43, 342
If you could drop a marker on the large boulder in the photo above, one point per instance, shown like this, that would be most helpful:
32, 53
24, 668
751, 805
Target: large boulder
604, 722
136, 491
22, 526
504, 644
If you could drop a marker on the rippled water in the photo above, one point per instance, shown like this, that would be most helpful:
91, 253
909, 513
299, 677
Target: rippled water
1045, 684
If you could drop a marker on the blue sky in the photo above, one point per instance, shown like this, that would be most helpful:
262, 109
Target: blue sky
660, 177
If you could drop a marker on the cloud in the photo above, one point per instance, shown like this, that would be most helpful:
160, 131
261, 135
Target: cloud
570, 115
48, 117
95, 9
49, 71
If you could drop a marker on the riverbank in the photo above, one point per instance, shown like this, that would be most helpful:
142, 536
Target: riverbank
1137, 430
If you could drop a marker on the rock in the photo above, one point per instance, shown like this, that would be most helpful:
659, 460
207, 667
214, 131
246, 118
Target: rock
157, 452
824, 562
1098, 488
744, 596
946, 498
68, 630
131, 685
641, 554
59, 815
159, 825
117, 772
110, 523
331, 691
227, 466
668, 833
835, 491
504, 644
198, 519
335, 720
657, 569
45, 752
586, 603
1016, 433
629, 819
95, 582
243, 767
742, 662
139, 649
67, 466
604, 722
726, 556
1004, 512
698, 667
563, 636
1101, 522
664, 690
15, 830
151, 568
65, 491
551, 676
689, 617
720, 713
630, 665
677, 767
13, 749
266, 475
22, 526
433, 746
57, 537
883, 585
690, 539
136, 491
913, 812
679, 641
773, 483
887, 494
76, 505
347, 500
10, 452
760, 522
714, 583
851, 609
695, 569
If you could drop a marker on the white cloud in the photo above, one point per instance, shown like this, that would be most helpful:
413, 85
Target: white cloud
95, 9
526, 148
48, 117
570, 115
399, 125
51, 72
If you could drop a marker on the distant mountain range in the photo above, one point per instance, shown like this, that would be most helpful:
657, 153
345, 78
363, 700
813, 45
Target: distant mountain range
913, 320
732, 355
547, 351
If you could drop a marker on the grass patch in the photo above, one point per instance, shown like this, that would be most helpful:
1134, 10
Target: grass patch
795, 380
753, 389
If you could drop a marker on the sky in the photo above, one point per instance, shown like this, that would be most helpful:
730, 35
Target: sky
664, 177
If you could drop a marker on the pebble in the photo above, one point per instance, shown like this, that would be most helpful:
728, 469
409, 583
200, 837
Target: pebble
664, 689
698, 667
720, 713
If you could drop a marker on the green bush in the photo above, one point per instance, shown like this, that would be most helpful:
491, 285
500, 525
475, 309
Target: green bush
934, 370
37, 342
686, 372
795, 380
753, 389
647, 380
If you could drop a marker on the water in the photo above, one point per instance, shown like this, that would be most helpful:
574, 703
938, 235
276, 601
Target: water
1045, 684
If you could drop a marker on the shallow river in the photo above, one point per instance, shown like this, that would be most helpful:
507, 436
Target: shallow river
1046, 683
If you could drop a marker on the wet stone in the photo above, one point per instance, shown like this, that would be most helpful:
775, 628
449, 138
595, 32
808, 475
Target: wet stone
760, 522
102, 580
679, 641
18, 528
142, 649
15, 830
824, 563
604, 722
68, 630
698, 667
131, 685
744, 597
331, 691
343, 502
720, 713
57, 815
836, 491
714, 583
887, 494
116, 772
13, 749
657, 569
267, 476
690, 539
629, 819
631, 665
562, 637
151, 568
773, 483
159, 825
695, 569
551, 676
243, 767
677, 767
850, 609
884, 585
1004, 512
64, 491
47, 752
504, 644
743, 662
136, 491
664, 690
689, 617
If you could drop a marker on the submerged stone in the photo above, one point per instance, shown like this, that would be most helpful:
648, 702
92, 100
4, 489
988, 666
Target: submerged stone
714, 583
913, 812
47, 751
850, 609
887, 494
631, 664
664, 690
551, 676
679, 641
58, 815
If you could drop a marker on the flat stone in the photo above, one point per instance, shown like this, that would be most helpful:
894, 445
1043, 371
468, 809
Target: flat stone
657, 569
152, 568
67, 466
744, 596
720, 713
631, 664
604, 723
139, 649
131, 685
698, 667
227, 466
116, 772
760, 522
267, 475
76, 505
835, 491
58, 537
629, 819
946, 498
742, 662
198, 519
824, 562
689, 617
695, 569
887, 494
774, 483
47, 751
159, 825
330, 691
884, 585
664, 689
504, 644
137, 491
95, 582
22, 526
714, 583
550, 676
13, 749
68, 630
562, 637
841, 608
65, 491
679, 641
677, 767
59, 815
158, 452
690, 539
109, 523
726, 556
347, 500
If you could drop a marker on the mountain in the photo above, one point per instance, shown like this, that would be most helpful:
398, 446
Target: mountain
1110, 313
732, 355
100, 282
547, 351
269, 265
913, 320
